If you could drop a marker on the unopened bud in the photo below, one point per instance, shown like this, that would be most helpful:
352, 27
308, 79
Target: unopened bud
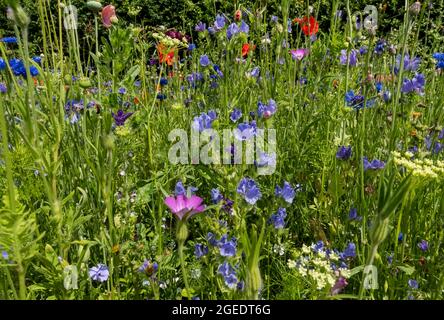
238, 15
415, 8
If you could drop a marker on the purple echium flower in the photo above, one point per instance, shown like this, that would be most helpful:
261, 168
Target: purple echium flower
122, 90
350, 251
204, 60
180, 189
340, 284
413, 284
200, 250
266, 110
287, 192
3, 88
266, 160
200, 27
344, 152
235, 115
353, 58
278, 219
149, 268
244, 27
245, 131
229, 274
204, 121
232, 30
227, 248
248, 188
353, 215
423, 245
216, 196
219, 23
121, 117
373, 165
410, 64
99, 273
416, 84
185, 207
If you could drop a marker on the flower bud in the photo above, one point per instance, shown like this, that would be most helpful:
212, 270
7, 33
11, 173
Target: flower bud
238, 15
415, 8
380, 231
85, 83
108, 142
182, 232
94, 5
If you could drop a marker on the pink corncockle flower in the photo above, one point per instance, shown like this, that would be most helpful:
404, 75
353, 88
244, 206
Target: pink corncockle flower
184, 207
298, 54
109, 15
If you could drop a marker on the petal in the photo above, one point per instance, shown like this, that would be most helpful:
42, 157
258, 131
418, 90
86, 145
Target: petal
172, 204
193, 202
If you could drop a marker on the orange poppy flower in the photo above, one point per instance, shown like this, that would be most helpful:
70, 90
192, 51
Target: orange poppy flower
246, 48
165, 57
309, 25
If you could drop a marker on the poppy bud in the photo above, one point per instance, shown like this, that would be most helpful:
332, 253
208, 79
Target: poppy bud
85, 83
94, 5
238, 15
415, 8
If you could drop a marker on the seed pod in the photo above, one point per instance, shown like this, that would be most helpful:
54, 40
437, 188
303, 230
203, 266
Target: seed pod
94, 5
85, 83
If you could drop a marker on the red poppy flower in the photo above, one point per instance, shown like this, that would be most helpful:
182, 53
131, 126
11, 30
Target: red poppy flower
109, 16
246, 48
164, 56
309, 26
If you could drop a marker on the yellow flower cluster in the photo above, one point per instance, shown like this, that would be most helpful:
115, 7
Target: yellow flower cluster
424, 168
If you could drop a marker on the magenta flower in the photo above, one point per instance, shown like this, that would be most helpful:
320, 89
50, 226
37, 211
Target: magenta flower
298, 54
184, 207
109, 15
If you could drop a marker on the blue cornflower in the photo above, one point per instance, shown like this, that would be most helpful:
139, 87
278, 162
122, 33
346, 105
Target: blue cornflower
387, 95
37, 59
191, 47
122, 90
9, 40
318, 246
363, 50
163, 81
400, 237
278, 219
200, 250
3, 88
266, 110
255, 72
200, 27
378, 87
204, 121
248, 188
355, 101
204, 60
232, 30
216, 196
344, 152
194, 77
2, 64
373, 165
287, 192
423, 245
235, 115
99, 273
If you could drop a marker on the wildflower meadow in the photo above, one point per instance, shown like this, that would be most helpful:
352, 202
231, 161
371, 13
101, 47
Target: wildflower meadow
292, 151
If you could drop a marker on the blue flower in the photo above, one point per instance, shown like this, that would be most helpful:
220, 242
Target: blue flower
416, 84
232, 30
99, 273
266, 110
9, 40
229, 274
218, 71
274, 19
350, 251
204, 60
423, 245
278, 219
191, 47
244, 27
235, 115
378, 87
2, 64
287, 192
413, 284
227, 248
200, 27
245, 131
373, 165
255, 72
289, 26
212, 239
122, 90
380, 46
149, 268
200, 250
266, 160
344, 153
353, 215
5, 255
400, 236
248, 188
3, 88
180, 190
163, 81
410, 64
204, 121
219, 23
353, 58
216, 196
